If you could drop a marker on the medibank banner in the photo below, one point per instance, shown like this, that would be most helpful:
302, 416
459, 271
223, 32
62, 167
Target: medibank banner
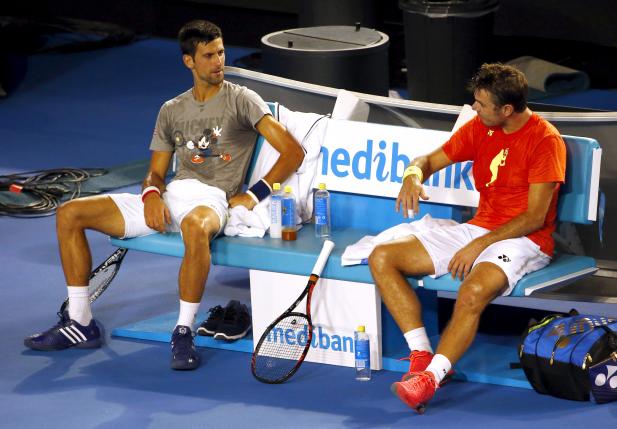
370, 159
338, 308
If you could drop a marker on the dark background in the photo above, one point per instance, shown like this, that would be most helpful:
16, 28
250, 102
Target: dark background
581, 35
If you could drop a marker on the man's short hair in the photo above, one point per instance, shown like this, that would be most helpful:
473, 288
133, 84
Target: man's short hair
195, 32
506, 84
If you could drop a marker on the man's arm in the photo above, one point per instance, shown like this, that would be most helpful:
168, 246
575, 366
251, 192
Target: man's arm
538, 203
412, 189
156, 212
290, 158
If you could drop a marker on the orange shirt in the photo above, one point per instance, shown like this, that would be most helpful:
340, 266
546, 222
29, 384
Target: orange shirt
504, 165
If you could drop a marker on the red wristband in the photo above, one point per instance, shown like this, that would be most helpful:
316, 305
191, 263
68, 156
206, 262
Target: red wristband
149, 190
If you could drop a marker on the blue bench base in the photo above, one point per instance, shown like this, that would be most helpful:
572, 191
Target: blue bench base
160, 328
478, 365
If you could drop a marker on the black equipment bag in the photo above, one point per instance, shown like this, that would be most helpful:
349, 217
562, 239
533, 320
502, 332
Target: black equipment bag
572, 357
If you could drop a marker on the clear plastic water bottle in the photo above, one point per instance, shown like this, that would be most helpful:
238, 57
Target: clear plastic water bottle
321, 203
362, 349
276, 224
288, 210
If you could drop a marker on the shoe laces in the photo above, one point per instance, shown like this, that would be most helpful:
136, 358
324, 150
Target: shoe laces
64, 319
415, 355
215, 312
424, 380
182, 342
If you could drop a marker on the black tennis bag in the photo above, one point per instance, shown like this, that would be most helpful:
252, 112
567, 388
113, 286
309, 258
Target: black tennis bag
572, 357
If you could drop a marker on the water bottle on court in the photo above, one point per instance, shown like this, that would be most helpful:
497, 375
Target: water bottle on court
276, 224
288, 210
362, 350
321, 203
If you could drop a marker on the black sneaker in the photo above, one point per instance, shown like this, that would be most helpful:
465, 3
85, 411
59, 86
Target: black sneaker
236, 322
65, 334
184, 356
209, 326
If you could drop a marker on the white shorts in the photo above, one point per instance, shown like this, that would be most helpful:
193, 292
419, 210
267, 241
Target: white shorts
515, 256
181, 196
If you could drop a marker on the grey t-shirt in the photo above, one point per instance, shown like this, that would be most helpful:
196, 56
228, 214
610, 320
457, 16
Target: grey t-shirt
214, 140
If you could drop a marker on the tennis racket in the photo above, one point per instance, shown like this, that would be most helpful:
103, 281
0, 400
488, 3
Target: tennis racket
102, 276
276, 359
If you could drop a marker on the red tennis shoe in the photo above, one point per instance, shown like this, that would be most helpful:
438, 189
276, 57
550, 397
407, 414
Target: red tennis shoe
419, 360
417, 391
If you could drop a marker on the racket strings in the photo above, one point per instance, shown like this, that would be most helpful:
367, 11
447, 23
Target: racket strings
103, 275
99, 283
283, 349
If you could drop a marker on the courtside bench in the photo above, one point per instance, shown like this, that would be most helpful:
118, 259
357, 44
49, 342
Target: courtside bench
355, 215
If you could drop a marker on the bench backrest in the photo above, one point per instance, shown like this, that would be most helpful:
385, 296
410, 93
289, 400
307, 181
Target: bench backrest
577, 202
578, 199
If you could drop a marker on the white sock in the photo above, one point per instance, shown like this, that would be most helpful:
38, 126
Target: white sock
439, 366
79, 304
418, 340
188, 312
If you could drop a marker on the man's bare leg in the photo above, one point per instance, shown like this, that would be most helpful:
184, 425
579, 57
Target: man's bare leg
390, 264
98, 213
483, 284
198, 228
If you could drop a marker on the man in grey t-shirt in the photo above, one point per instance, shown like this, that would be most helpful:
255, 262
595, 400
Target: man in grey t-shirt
212, 129
213, 140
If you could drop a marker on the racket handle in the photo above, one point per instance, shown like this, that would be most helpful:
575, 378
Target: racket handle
323, 257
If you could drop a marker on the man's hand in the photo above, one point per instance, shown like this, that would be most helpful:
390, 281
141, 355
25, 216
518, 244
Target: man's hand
462, 261
242, 200
156, 212
409, 195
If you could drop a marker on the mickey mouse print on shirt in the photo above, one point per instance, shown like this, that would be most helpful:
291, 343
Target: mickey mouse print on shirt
203, 146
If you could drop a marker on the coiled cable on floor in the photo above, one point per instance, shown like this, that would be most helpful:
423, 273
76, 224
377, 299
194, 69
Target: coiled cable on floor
42, 190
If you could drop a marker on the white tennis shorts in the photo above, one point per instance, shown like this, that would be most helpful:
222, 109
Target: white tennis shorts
181, 196
515, 256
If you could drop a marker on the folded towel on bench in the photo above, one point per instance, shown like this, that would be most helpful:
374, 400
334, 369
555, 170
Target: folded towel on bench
359, 252
249, 223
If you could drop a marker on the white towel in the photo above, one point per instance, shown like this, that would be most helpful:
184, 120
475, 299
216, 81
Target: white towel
359, 252
249, 223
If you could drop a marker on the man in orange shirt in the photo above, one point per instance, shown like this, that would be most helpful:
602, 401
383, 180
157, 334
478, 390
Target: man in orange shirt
519, 164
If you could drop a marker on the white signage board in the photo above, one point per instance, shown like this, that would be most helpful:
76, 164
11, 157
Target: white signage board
370, 159
337, 309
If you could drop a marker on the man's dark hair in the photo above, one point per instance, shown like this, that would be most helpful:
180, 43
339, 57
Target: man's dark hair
506, 84
195, 32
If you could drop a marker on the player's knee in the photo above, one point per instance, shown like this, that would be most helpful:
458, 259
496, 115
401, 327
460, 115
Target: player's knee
68, 215
196, 231
380, 258
472, 298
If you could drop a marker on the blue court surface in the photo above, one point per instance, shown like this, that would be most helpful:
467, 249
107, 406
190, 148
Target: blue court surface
97, 109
